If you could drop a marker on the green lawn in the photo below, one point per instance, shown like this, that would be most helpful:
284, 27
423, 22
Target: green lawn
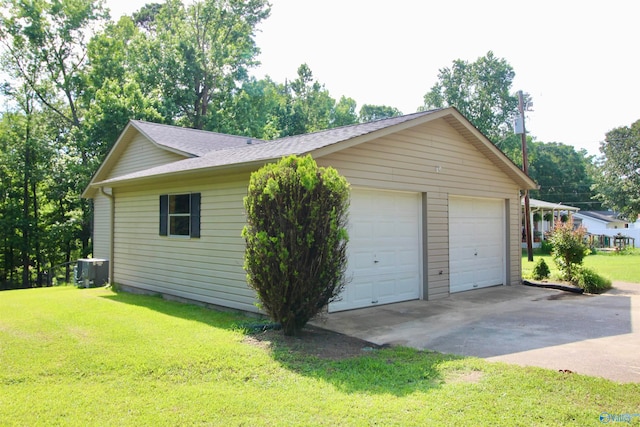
86, 357
616, 266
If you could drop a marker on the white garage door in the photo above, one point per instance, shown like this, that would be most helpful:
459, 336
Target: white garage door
476, 243
383, 251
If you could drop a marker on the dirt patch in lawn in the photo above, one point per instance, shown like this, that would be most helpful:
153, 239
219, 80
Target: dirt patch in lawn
312, 341
469, 377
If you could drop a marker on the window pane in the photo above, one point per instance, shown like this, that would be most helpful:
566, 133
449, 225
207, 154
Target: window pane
179, 225
179, 204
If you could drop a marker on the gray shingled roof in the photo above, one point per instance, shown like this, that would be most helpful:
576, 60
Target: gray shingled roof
606, 216
190, 141
175, 137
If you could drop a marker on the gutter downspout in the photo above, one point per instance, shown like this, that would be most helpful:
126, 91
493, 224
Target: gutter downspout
112, 205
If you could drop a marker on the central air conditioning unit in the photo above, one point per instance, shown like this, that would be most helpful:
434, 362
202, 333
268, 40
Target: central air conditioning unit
91, 272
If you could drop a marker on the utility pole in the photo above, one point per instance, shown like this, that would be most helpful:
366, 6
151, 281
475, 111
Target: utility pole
525, 168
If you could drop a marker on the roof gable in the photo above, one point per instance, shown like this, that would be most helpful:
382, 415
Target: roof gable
318, 144
184, 142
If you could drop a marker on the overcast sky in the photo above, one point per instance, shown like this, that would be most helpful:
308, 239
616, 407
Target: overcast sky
579, 60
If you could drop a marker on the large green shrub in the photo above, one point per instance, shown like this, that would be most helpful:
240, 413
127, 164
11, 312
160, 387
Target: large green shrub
569, 248
591, 281
296, 239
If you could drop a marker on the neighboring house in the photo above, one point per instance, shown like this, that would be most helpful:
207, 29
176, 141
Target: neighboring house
543, 216
435, 208
595, 221
607, 230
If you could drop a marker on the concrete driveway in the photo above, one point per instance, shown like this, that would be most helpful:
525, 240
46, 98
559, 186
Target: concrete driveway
595, 335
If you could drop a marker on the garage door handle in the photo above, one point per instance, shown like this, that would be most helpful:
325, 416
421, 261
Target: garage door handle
376, 261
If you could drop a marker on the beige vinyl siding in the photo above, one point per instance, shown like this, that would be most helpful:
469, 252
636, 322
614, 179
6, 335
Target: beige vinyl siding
437, 255
141, 154
514, 242
101, 227
207, 269
434, 159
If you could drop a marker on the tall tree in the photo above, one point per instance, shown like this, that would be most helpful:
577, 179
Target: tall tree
481, 90
43, 51
117, 89
344, 112
199, 53
253, 110
307, 105
369, 112
24, 183
267, 110
617, 182
11, 204
45, 46
564, 174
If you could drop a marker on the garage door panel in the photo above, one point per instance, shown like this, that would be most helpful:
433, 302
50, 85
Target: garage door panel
385, 288
477, 243
361, 231
406, 286
359, 263
383, 250
354, 293
386, 229
392, 289
406, 258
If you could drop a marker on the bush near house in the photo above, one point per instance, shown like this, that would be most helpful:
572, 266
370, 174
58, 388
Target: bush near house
569, 248
591, 281
296, 239
541, 270
569, 251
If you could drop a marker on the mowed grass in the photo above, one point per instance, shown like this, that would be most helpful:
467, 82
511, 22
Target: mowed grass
92, 357
623, 267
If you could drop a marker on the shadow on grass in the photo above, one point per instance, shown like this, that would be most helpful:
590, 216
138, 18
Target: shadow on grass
200, 313
349, 364
352, 365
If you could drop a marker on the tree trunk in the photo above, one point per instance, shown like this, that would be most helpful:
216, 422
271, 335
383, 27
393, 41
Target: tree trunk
26, 261
67, 260
36, 235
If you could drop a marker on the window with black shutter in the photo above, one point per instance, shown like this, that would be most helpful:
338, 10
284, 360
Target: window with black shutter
180, 215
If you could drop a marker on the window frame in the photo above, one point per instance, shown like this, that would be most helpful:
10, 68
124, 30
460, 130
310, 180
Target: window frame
194, 215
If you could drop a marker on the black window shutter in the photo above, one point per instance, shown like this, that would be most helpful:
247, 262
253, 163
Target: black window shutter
164, 215
195, 214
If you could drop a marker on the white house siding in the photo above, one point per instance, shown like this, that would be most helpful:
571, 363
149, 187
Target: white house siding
611, 229
141, 154
207, 269
436, 160
101, 227
597, 226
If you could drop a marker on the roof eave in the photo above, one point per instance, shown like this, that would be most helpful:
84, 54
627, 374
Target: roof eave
467, 129
179, 174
